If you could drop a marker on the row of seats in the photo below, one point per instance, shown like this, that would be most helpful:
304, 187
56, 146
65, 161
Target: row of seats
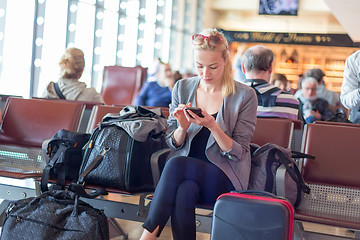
30, 121
332, 176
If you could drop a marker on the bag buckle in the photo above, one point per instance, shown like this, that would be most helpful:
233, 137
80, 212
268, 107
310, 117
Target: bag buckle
105, 151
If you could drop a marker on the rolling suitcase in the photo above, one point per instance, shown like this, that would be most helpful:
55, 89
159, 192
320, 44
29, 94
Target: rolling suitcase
252, 215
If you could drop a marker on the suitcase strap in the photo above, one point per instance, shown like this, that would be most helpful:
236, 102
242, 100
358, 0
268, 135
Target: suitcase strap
78, 187
92, 165
49, 166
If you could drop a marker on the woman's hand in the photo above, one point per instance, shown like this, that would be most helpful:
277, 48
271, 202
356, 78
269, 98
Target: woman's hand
207, 121
316, 114
180, 116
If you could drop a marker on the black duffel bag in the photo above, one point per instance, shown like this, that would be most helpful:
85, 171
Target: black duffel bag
120, 149
55, 215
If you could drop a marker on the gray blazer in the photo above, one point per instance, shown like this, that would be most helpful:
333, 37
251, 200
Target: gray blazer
236, 117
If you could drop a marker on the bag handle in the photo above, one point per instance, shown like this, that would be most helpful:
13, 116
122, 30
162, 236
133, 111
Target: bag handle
296, 176
78, 187
46, 171
296, 154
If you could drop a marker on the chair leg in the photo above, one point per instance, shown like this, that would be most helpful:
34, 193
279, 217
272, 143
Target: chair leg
124, 235
357, 234
298, 229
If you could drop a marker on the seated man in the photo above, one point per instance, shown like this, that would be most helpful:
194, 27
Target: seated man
272, 101
313, 108
322, 92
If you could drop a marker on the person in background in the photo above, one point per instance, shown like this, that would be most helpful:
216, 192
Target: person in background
298, 84
69, 87
156, 91
188, 74
272, 101
239, 75
313, 107
279, 80
210, 155
350, 88
177, 76
322, 92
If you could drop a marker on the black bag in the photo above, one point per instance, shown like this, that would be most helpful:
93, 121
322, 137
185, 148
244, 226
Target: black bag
65, 156
55, 215
266, 160
120, 149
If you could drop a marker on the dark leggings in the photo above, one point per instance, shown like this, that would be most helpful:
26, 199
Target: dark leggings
184, 183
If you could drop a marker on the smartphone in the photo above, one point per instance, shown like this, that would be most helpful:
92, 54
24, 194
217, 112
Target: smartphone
195, 110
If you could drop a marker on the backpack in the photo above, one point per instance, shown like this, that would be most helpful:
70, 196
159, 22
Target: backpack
265, 162
65, 156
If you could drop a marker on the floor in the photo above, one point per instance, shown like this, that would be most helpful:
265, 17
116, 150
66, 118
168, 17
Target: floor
134, 230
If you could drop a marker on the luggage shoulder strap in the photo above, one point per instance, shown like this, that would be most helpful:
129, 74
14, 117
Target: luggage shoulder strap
58, 91
78, 187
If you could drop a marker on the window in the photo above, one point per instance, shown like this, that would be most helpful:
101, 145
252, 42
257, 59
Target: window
53, 44
110, 32
17, 47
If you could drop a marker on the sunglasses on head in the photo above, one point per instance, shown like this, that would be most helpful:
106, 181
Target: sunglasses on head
213, 40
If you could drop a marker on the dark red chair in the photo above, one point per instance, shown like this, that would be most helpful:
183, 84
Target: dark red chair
121, 85
333, 177
273, 130
28, 122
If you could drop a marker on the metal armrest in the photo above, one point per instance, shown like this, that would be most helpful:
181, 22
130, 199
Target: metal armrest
154, 161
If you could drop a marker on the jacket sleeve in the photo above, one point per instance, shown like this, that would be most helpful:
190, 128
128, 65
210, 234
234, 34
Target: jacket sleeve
245, 126
350, 96
172, 122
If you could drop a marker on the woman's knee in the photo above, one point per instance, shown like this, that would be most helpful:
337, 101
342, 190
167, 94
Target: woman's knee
188, 192
174, 163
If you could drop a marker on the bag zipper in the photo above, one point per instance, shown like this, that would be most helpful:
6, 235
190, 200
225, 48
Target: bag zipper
18, 219
89, 148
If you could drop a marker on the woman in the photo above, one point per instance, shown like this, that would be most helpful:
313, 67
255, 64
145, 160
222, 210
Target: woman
210, 155
279, 80
69, 87
156, 92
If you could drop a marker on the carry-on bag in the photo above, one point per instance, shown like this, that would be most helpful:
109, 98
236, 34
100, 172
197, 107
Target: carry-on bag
252, 215
64, 150
120, 148
54, 215
266, 161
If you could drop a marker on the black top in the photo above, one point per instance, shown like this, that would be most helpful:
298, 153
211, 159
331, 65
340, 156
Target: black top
198, 144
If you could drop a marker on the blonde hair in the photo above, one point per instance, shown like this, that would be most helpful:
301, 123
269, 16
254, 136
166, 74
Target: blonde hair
72, 63
228, 86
